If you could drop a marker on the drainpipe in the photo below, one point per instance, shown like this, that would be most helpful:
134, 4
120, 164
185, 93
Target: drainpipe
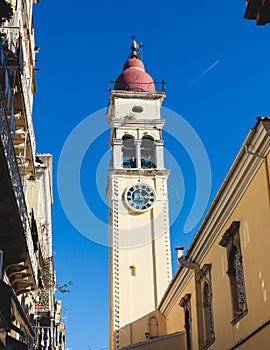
183, 262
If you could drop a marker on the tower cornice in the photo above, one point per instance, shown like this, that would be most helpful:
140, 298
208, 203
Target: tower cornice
141, 94
140, 172
122, 122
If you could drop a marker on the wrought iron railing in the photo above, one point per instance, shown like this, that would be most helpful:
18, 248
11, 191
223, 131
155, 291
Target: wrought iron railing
137, 86
16, 182
13, 40
10, 38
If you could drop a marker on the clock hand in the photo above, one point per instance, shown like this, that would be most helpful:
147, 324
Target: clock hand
135, 196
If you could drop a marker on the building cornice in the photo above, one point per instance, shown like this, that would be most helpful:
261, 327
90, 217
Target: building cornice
137, 172
239, 176
177, 285
246, 164
135, 123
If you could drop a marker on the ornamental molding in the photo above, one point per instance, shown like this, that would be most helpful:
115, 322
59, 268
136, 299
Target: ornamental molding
175, 290
139, 173
228, 235
122, 122
203, 272
184, 302
135, 94
237, 180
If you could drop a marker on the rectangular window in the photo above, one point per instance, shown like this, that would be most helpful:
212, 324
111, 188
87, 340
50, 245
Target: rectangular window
204, 280
231, 241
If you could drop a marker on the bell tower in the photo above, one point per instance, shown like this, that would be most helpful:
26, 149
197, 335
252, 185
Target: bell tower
140, 258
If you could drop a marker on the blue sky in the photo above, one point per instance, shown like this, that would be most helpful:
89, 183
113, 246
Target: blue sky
216, 68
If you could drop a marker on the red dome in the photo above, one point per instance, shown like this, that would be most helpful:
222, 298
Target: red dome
134, 77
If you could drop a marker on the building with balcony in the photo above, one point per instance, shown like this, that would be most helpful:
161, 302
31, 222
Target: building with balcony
27, 277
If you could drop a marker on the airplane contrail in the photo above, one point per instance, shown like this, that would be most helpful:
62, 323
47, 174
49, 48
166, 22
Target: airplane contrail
199, 76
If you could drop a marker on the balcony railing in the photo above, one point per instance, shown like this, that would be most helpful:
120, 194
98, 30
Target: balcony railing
16, 182
137, 86
13, 40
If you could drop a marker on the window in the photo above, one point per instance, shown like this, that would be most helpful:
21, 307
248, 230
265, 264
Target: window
186, 305
148, 152
132, 270
235, 273
153, 327
137, 109
231, 241
207, 328
129, 160
207, 315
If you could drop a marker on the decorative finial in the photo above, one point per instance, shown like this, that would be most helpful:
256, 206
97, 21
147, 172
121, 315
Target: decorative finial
136, 50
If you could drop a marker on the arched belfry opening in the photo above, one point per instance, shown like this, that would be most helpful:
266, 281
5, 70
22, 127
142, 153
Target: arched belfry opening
128, 149
148, 152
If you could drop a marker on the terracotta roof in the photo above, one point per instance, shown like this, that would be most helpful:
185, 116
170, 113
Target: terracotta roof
134, 77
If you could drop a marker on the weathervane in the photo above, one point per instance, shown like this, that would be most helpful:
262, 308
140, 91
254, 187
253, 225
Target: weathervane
136, 49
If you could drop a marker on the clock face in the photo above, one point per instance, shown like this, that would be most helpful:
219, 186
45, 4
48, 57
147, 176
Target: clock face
140, 197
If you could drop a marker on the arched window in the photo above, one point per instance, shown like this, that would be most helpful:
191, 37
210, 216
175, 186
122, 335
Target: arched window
185, 303
231, 240
236, 276
206, 327
207, 314
153, 327
132, 270
128, 149
188, 328
148, 152
239, 278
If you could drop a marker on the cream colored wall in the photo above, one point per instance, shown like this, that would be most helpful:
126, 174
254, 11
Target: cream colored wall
144, 243
140, 239
136, 332
151, 108
136, 234
32, 195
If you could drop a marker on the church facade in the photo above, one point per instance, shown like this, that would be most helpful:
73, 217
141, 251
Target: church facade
219, 298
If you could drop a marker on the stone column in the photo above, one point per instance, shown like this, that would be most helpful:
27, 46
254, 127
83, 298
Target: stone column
137, 144
159, 154
117, 154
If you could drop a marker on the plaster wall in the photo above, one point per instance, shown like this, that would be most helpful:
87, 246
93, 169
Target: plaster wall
253, 213
142, 237
124, 108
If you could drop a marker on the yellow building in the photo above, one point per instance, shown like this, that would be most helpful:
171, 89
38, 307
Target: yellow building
219, 297
223, 300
